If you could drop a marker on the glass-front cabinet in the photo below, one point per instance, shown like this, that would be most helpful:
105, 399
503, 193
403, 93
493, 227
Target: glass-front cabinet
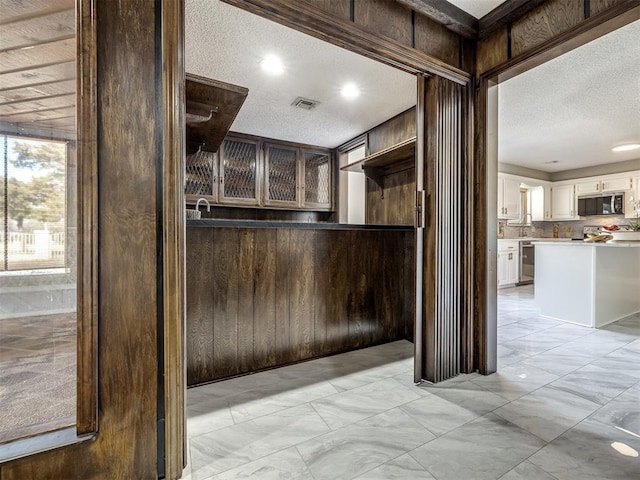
253, 172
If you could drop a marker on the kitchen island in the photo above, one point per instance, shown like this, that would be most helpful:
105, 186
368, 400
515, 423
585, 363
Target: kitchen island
590, 284
262, 294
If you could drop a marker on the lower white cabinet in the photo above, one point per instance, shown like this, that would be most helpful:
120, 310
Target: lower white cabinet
508, 262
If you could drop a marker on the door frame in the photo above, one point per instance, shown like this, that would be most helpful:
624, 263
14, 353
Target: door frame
486, 163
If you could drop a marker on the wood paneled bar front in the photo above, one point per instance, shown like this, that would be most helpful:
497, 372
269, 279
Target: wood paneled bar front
266, 294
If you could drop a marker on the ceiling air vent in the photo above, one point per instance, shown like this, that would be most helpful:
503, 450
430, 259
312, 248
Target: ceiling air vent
305, 103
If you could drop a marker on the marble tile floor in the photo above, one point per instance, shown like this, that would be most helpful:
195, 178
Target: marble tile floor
564, 405
37, 374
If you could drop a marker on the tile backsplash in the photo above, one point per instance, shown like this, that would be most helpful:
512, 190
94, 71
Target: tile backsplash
566, 229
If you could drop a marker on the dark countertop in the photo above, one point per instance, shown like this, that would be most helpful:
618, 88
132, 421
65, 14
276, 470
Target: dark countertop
207, 222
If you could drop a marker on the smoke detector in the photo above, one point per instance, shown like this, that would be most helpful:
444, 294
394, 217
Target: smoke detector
305, 103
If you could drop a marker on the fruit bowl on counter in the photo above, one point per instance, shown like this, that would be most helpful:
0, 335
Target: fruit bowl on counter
624, 233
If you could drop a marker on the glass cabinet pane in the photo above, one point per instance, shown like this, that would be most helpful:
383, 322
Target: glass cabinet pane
239, 175
199, 173
316, 178
282, 174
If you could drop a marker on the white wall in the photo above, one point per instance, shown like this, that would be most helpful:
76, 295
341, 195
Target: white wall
356, 189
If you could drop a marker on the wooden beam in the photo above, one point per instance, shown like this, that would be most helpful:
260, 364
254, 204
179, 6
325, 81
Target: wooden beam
36, 14
504, 14
36, 99
25, 112
40, 84
41, 65
310, 20
447, 14
37, 43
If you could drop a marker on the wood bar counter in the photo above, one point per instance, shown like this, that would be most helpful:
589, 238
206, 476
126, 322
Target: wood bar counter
265, 294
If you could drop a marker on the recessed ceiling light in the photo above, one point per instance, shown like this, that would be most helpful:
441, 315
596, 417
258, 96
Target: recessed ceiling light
350, 90
272, 65
626, 147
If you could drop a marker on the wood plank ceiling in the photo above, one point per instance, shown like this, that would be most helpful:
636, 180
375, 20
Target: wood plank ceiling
38, 67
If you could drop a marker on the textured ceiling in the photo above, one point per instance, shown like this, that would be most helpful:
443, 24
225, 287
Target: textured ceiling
226, 43
477, 8
575, 108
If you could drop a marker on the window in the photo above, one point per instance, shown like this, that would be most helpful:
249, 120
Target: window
33, 205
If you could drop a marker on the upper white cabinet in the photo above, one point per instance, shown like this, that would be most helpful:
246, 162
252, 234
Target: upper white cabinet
587, 188
540, 203
632, 200
604, 185
563, 202
619, 184
508, 198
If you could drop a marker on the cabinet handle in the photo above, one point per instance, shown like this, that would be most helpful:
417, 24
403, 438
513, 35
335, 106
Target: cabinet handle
511, 256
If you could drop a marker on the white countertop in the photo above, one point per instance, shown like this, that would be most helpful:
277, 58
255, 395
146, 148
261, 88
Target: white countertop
588, 244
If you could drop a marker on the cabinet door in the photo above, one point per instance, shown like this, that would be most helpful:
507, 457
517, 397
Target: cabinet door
201, 177
503, 268
317, 179
547, 203
281, 176
632, 200
586, 188
617, 184
513, 261
239, 172
562, 202
511, 199
501, 198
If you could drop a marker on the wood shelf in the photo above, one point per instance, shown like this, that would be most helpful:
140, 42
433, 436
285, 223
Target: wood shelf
385, 158
395, 158
211, 108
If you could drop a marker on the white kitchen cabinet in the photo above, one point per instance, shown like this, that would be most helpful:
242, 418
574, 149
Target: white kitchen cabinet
508, 262
563, 202
587, 188
508, 198
541, 203
620, 184
605, 184
632, 199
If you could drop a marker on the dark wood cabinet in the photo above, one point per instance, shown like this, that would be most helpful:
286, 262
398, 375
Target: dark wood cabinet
252, 172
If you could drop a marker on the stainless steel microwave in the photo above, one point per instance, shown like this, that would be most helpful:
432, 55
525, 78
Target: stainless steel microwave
607, 204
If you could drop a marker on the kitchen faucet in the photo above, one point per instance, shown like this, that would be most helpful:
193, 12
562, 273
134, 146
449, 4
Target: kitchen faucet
205, 201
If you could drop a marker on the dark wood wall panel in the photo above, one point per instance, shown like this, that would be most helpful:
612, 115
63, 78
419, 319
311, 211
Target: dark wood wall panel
199, 303
301, 294
332, 321
397, 204
598, 6
492, 50
339, 8
282, 279
385, 17
437, 40
226, 251
264, 332
393, 131
546, 21
245, 299
281, 295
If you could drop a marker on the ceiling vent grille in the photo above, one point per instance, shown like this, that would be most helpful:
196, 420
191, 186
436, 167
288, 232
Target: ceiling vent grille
305, 103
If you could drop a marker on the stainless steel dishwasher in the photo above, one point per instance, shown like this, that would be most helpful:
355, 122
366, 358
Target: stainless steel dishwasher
527, 262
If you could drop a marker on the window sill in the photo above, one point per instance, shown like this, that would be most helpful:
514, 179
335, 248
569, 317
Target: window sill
41, 443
